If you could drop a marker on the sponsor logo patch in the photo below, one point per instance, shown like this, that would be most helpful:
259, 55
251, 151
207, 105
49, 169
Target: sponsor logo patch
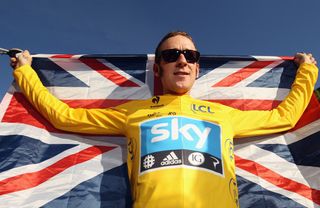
148, 162
155, 100
196, 158
175, 141
201, 109
171, 159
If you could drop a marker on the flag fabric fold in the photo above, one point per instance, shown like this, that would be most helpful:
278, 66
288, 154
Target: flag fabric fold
41, 166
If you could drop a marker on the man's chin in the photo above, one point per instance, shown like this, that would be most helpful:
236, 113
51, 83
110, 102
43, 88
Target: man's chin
181, 90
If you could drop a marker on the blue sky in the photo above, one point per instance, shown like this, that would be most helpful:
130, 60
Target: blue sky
225, 27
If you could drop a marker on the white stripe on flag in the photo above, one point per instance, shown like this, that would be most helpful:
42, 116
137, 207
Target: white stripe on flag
231, 93
59, 138
257, 74
64, 182
269, 186
39, 166
99, 87
5, 102
214, 76
277, 164
285, 139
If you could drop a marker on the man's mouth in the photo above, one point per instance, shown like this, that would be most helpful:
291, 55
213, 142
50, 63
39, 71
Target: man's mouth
181, 73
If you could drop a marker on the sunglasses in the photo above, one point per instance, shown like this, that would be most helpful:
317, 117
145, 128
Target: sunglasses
172, 55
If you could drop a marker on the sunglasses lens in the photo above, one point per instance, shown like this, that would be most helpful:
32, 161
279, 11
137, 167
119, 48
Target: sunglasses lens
191, 56
171, 55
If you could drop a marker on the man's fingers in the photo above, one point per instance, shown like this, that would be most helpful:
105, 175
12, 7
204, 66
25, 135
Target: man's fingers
299, 54
13, 62
24, 56
13, 65
313, 60
301, 58
298, 58
21, 59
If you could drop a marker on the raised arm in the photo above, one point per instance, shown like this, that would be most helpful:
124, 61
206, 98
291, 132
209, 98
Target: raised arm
287, 114
91, 121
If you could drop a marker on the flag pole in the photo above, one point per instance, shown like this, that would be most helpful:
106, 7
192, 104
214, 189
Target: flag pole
12, 52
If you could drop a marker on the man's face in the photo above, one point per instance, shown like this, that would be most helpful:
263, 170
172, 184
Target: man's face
177, 77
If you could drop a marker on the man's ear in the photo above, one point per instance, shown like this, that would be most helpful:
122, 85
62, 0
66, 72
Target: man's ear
197, 70
156, 70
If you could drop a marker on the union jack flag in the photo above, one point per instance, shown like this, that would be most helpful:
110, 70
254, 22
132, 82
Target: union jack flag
41, 166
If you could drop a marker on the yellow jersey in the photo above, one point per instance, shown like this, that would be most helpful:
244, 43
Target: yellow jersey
180, 149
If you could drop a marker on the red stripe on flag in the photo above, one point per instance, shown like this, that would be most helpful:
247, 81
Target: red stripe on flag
277, 179
62, 56
21, 111
108, 73
30, 180
249, 104
242, 74
311, 114
287, 58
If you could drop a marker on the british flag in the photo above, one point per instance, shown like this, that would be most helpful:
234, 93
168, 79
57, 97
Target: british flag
41, 166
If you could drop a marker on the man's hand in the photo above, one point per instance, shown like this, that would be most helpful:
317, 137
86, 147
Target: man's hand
301, 58
23, 58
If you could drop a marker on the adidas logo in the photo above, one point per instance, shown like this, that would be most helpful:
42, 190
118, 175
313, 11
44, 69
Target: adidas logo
171, 159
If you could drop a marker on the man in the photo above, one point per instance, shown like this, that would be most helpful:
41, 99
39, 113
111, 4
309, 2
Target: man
178, 157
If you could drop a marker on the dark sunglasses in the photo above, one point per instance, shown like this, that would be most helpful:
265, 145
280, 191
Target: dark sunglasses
172, 55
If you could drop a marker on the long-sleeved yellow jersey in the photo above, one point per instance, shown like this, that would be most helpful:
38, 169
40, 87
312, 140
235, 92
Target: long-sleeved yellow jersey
180, 150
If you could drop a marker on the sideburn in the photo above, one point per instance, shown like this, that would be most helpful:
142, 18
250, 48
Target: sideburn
160, 71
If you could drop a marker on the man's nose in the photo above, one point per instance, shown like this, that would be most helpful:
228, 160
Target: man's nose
181, 61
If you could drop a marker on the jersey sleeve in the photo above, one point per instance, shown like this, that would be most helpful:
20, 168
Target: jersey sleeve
285, 116
80, 120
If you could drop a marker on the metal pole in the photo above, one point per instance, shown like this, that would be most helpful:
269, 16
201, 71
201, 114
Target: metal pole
12, 52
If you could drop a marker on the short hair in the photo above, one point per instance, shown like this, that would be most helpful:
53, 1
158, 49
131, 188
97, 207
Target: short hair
167, 36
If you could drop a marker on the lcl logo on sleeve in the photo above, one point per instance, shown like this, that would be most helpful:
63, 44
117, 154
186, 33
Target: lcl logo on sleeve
174, 141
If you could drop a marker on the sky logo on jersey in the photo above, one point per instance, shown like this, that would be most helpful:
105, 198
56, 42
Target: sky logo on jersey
171, 133
184, 136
